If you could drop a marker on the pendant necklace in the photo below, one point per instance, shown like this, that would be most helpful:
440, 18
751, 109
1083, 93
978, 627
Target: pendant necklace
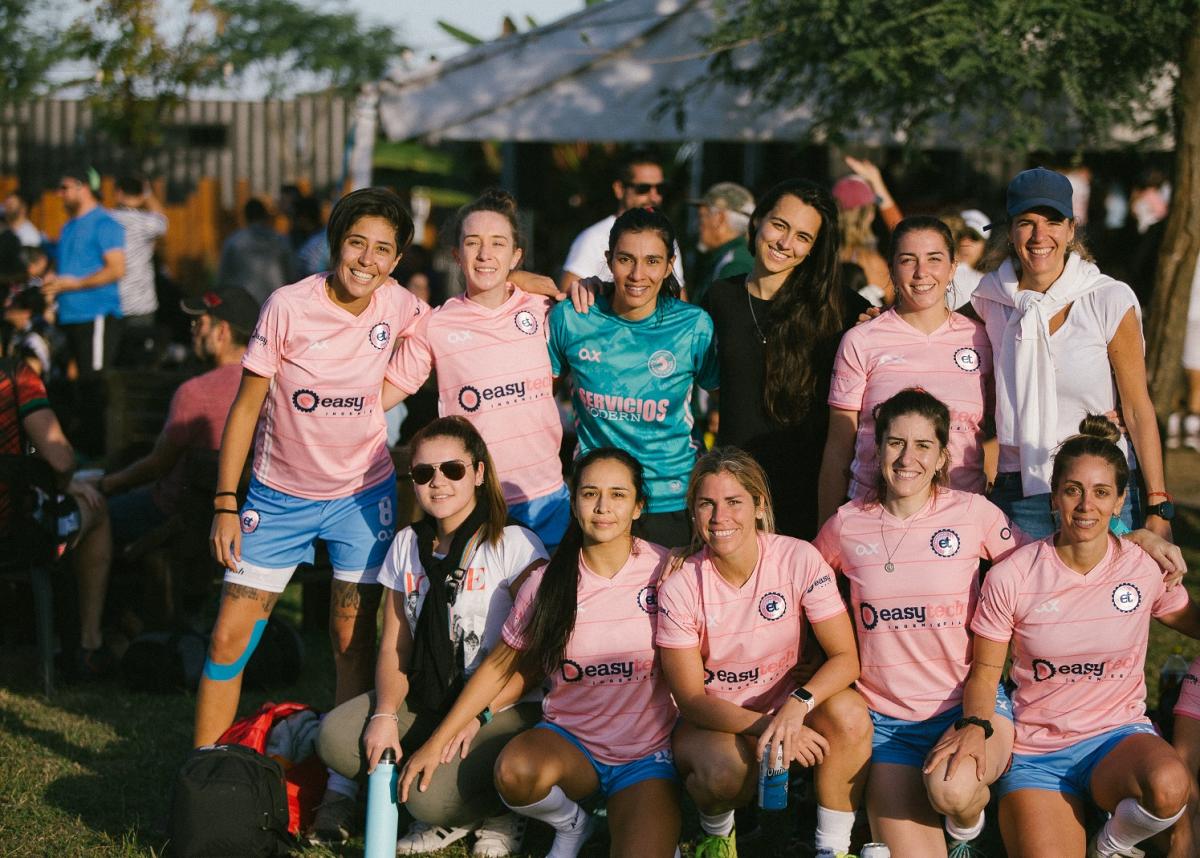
753, 317
889, 566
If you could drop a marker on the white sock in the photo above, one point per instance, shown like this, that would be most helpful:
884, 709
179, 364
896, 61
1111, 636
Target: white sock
720, 824
964, 835
341, 785
566, 817
833, 829
1130, 825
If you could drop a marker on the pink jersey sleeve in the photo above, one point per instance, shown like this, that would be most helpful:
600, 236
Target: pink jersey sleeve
829, 542
412, 360
849, 380
1168, 601
264, 352
996, 612
1000, 537
1189, 693
821, 600
517, 623
679, 624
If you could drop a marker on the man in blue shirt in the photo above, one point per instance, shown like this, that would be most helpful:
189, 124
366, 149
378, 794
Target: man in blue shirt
91, 259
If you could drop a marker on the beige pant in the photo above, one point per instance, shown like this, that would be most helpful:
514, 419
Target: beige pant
462, 792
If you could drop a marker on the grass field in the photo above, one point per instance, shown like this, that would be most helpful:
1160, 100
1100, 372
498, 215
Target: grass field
89, 772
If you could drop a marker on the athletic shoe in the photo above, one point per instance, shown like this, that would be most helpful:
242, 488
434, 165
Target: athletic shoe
1191, 431
1094, 852
499, 835
716, 846
964, 849
422, 838
335, 819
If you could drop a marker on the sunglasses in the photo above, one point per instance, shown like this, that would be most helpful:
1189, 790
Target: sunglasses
645, 187
452, 470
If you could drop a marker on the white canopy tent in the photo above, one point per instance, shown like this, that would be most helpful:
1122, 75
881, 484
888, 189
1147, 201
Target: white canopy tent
605, 73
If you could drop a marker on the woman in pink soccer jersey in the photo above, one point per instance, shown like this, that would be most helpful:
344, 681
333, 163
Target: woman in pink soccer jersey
309, 399
1076, 607
586, 623
920, 341
910, 550
489, 350
729, 635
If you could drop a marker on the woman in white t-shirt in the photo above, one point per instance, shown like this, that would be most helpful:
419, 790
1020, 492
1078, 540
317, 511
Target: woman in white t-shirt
1067, 342
450, 582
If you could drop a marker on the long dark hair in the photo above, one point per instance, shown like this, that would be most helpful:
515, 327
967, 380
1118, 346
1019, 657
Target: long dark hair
488, 495
807, 314
553, 618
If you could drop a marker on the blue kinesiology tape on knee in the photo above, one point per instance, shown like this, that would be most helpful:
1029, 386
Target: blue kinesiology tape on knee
225, 672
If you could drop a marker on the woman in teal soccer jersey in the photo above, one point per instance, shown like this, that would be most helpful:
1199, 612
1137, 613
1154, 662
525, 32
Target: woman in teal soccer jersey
634, 360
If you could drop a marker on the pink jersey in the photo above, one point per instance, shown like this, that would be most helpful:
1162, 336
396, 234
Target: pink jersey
749, 636
609, 691
1078, 641
493, 368
914, 638
321, 433
880, 358
1189, 693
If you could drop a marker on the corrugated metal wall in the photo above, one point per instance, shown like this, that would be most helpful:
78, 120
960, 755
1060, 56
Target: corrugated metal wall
265, 144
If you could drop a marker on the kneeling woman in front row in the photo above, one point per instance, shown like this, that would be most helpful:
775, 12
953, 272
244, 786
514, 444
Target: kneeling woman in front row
1077, 607
586, 623
449, 581
729, 633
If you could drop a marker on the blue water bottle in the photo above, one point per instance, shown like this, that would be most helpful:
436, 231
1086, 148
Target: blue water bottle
382, 813
772, 779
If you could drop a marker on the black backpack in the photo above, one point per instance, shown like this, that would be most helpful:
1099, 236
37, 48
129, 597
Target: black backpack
229, 802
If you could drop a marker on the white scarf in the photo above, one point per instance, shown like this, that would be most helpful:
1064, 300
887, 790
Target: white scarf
1025, 366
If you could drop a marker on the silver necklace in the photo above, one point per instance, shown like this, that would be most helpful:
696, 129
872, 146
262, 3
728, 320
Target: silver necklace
889, 566
753, 317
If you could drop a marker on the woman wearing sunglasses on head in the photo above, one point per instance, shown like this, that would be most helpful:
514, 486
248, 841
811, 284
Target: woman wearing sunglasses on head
449, 585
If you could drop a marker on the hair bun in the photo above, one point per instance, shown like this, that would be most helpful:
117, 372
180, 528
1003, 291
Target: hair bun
500, 199
1099, 426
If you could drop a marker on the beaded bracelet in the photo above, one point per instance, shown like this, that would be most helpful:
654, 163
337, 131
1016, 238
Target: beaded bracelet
391, 715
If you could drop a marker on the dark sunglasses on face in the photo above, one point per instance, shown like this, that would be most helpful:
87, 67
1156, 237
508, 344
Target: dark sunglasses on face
452, 470
645, 187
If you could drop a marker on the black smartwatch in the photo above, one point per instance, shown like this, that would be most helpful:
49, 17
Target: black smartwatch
988, 730
805, 697
1164, 510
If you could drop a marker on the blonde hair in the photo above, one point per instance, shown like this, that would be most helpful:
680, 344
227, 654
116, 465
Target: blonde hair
742, 467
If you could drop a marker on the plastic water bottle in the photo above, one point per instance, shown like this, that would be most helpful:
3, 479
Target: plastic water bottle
382, 814
875, 850
772, 779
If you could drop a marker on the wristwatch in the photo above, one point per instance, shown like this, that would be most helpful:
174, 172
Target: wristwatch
485, 717
1164, 510
988, 729
805, 697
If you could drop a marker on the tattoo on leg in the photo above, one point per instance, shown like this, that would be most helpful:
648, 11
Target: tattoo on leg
345, 596
241, 591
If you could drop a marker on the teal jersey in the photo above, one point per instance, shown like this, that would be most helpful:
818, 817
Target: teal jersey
633, 384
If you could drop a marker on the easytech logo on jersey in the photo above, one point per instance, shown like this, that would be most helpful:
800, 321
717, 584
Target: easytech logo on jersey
945, 542
472, 397
1126, 598
767, 672
1073, 671
967, 359
931, 614
607, 672
647, 599
307, 401
380, 335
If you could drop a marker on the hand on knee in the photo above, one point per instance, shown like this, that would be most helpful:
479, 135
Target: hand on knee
962, 796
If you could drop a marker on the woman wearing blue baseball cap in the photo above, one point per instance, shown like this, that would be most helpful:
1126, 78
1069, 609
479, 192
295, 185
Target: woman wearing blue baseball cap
1067, 342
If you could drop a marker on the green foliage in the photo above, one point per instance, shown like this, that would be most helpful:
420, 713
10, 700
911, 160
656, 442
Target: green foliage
30, 46
279, 39
1016, 73
459, 33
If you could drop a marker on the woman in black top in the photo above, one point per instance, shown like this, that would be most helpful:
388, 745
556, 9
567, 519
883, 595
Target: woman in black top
777, 332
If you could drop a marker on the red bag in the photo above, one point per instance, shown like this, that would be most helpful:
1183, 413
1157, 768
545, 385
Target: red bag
305, 778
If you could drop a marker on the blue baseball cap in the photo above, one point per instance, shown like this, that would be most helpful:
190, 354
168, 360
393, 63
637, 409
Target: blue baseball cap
1040, 187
